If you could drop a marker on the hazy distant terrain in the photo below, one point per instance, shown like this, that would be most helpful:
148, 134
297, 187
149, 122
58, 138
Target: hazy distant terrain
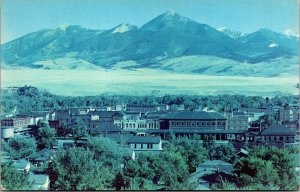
144, 82
168, 42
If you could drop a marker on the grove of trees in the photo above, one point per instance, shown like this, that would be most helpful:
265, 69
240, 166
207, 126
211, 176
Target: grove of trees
28, 99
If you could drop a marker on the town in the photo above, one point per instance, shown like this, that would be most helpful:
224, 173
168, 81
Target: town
34, 140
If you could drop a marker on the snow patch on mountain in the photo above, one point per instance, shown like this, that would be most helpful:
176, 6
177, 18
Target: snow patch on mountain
232, 33
272, 45
123, 28
291, 33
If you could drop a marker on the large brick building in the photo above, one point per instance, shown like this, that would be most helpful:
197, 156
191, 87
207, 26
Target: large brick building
193, 120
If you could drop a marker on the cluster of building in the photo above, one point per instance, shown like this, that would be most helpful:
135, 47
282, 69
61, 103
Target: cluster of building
244, 124
141, 128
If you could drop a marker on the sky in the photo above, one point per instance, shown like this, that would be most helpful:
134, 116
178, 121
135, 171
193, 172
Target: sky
20, 17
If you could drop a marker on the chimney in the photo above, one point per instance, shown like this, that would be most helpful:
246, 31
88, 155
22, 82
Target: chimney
267, 102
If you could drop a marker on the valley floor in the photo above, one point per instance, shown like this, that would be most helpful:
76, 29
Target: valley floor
145, 82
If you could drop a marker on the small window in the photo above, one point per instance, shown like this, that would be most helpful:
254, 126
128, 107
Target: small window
207, 123
198, 123
203, 123
177, 123
182, 123
135, 146
281, 138
187, 123
141, 146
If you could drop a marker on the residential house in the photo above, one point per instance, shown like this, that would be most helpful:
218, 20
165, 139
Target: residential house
22, 165
146, 108
18, 123
138, 143
105, 128
39, 181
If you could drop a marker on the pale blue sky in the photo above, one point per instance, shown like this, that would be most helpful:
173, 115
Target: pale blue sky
20, 17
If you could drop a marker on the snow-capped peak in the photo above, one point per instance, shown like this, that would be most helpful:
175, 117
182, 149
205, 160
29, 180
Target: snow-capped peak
63, 27
123, 28
291, 33
170, 13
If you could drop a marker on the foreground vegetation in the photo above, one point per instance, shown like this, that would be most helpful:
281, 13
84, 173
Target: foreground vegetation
102, 164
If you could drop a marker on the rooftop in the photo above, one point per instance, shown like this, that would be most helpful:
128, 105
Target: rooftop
278, 130
105, 114
214, 163
193, 115
39, 179
106, 127
21, 164
129, 138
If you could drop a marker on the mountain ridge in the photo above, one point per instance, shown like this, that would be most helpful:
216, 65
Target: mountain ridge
163, 38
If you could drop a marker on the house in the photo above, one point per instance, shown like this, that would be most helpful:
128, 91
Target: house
64, 143
237, 120
105, 128
16, 122
41, 157
36, 116
278, 134
138, 143
22, 165
7, 133
288, 115
39, 181
193, 120
54, 124
106, 116
4, 156
209, 172
146, 108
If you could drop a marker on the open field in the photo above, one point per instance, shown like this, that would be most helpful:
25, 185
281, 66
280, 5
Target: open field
144, 82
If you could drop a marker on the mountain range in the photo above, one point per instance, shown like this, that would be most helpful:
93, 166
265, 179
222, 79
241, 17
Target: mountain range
167, 42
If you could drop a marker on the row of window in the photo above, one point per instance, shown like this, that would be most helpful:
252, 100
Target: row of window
197, 123
133, 125
149, 146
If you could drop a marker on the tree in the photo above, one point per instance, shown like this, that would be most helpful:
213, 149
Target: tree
106, 151
225, 153
12, 179
192, 151
172, 169
119, 181
21, 147
80, 129
209, 143
282, 162
268, 120
45, 136
76, 169
255, 171
64, 129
